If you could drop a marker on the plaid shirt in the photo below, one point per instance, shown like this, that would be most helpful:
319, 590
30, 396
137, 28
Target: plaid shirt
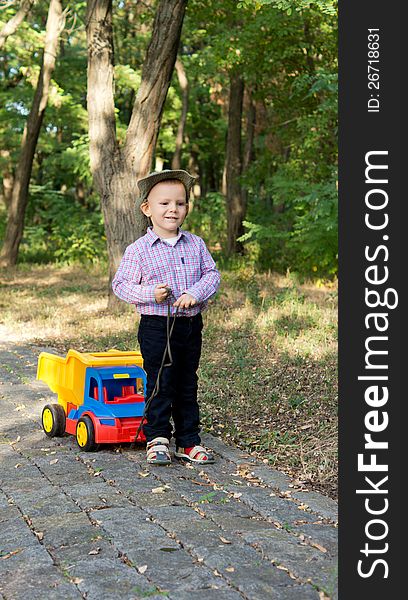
186, 267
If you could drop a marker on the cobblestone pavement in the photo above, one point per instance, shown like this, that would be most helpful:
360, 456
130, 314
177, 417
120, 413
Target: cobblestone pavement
106, 525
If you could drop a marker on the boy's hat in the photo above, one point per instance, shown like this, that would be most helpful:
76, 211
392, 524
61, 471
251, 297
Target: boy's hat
146, 183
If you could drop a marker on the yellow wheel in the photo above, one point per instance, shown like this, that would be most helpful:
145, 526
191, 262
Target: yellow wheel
85, 434
53, 420
82, 434
48, 420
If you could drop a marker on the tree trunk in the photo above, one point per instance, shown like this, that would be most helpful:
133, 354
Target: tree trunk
235, 208
11, 26
8, 178
249, 146
116, 170
19, 196
183, 82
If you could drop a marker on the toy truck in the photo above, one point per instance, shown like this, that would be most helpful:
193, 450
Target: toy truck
101, 396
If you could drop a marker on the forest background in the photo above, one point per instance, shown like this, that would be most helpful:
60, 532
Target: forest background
251, 109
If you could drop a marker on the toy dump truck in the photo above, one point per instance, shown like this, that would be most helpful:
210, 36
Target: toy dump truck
101, 396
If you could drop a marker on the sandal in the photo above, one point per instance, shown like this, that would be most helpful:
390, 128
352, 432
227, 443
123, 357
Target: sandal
157, 451
195, 454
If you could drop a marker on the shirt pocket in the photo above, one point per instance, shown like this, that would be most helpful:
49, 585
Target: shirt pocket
191, 264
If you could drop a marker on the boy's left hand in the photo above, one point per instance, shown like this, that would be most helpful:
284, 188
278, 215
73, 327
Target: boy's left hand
185, 301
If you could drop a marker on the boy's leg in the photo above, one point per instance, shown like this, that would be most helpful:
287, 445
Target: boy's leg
186, 416
152, 337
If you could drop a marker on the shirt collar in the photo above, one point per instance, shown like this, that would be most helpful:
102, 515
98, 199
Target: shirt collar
152, 236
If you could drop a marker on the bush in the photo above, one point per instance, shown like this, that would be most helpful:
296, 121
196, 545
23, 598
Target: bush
59, 229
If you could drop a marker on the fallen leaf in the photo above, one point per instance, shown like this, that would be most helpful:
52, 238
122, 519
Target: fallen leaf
53, 461
161, 489
319, 547
142, 569
200, 482
216, 573
76, 580
225, 541
144, 473
39, 534
6, 556
237, 495
230, 569
96, 551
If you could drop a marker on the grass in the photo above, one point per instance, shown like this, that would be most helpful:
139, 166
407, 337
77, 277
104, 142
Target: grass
268, 374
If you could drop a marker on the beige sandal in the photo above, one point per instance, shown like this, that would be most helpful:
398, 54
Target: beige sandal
157, 451
195, 454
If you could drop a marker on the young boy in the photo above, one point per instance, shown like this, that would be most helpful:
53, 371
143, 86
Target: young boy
169, 266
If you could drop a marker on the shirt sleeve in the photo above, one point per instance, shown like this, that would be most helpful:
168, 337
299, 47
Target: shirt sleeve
210, 279
127, 285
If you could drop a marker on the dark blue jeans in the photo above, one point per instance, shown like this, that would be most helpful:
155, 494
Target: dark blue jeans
177, 395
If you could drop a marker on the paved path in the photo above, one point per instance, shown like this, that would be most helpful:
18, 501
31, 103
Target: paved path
106, 526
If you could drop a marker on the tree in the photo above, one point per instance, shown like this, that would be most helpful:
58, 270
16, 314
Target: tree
183, 82
116, 168
235, 204
19, 195
11, 26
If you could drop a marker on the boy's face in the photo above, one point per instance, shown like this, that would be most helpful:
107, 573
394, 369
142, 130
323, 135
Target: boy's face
167, 207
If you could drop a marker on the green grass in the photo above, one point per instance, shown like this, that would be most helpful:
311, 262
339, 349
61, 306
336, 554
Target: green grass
268, 373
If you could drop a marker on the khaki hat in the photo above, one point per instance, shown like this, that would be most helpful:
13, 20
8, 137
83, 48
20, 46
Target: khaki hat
146, 183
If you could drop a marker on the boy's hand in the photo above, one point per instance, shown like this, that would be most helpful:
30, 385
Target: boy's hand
161, 292
185, 301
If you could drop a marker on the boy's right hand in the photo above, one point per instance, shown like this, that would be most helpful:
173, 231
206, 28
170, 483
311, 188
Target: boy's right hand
161, 292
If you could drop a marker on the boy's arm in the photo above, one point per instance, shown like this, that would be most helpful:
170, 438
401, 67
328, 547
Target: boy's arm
210, 278
126, 283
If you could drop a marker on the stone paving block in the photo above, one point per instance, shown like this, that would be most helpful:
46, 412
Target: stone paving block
326, 507
8, 512
95, 494
302, 560
108, 579
100, 546
235, 518
273, 507
30, 555
60, 529
131, 523
15, 533
44, 502
252, 575
172, 570
325, 535
32, 582
206, 594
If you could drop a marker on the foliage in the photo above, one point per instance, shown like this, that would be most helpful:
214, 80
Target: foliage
62, 230
285, 51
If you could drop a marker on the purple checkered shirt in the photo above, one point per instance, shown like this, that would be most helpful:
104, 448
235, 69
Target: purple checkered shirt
185, 267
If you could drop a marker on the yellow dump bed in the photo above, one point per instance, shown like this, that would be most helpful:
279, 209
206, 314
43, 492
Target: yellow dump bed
66, 376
